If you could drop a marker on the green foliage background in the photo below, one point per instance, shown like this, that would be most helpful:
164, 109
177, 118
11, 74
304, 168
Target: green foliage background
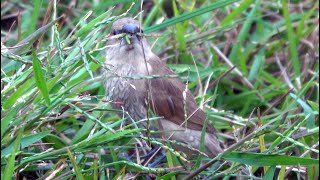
253, 64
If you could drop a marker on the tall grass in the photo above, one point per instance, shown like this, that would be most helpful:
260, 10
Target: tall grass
257, 61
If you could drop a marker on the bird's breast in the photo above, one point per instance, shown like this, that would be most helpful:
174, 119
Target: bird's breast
124, 91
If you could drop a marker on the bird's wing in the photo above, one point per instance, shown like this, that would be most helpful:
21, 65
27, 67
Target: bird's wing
168, 100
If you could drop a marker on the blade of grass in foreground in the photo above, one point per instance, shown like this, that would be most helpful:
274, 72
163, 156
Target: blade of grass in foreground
8, 171
5, 121
255, 159
12, 99
40, 78
25, 141
270, 173
74, 164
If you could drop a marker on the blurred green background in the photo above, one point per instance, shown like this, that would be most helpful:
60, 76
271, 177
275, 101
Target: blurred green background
254, 64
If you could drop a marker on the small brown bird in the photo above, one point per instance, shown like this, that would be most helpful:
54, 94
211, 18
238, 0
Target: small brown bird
129, 54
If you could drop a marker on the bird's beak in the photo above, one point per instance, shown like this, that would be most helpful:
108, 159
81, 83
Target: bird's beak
132, 34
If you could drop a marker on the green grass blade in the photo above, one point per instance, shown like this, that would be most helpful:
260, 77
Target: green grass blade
75, 166
257, 65
40, 78
22, 78
9, 102
155, 10
304, 18
35, 15
25, 141
9, 168
95, 169
282, 173
179, 35
83, 132
291, 39
185, 16
243, 34
255, 159
6, 120
270, 173
88, 27
25, 43
244, 5
307, 111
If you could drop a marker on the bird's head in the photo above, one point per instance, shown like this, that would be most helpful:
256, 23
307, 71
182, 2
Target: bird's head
126, 37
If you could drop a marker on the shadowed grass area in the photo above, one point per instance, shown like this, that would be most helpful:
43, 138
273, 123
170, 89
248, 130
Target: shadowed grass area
252, 65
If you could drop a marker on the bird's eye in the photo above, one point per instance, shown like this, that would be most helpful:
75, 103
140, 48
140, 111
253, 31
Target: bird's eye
116, 32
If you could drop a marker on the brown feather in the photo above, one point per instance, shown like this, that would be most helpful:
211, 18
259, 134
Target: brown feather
170, 91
